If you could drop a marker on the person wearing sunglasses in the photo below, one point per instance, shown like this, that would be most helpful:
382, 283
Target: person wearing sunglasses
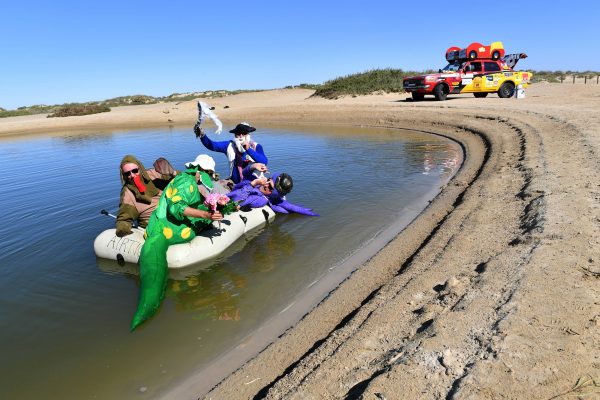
140, 191
240, 151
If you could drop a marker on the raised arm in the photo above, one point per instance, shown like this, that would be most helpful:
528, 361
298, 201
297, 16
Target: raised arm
257, 155
221, 147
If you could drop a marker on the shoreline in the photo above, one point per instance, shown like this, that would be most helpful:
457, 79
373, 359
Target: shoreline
491, 292
204, 379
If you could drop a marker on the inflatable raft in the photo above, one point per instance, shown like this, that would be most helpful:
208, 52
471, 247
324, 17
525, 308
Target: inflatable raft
208, 244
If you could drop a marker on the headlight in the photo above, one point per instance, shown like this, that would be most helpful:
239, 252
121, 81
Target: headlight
430, 79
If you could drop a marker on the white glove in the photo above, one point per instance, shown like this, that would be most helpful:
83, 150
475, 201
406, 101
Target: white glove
239, 145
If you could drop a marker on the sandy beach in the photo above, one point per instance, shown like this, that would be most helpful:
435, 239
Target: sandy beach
492, 292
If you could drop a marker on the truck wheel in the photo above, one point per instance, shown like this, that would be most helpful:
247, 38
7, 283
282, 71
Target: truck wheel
480, 95
495, 55
417, 96
506, 90
440, 92
472, 54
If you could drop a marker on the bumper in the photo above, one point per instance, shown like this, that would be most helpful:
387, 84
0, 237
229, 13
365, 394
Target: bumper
417, 88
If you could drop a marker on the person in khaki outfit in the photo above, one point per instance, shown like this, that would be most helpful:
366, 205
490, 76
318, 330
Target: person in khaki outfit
140, 192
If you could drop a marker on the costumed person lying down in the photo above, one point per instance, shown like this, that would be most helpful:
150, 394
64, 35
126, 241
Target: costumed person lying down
180, 215
256, 190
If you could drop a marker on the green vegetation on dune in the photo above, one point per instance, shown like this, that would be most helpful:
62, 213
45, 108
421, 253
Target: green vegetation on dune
313, 86
78, 109
562, 76
386, 80
36, 109
92, 107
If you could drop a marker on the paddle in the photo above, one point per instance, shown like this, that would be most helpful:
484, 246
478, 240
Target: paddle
104, 212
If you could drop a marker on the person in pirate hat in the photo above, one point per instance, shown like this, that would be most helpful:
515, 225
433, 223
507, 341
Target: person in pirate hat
240, 151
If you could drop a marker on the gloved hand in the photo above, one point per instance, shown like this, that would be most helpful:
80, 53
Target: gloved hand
198, 130
123, 229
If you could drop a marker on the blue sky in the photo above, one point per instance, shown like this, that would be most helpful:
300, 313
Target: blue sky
73, 51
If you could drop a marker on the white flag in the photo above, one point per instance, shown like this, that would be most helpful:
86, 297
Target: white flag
205, 111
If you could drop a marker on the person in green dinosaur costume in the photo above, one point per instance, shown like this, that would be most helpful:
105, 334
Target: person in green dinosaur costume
179, 216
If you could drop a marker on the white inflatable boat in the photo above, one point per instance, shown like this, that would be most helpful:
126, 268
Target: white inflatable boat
208, 244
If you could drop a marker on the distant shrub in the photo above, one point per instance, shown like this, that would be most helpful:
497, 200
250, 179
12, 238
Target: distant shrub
31, 110
559, 76
13, 113
386, 80
142, 99
79, 109
313, 86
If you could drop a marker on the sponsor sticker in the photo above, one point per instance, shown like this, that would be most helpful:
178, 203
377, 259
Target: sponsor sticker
508, 74
467, 81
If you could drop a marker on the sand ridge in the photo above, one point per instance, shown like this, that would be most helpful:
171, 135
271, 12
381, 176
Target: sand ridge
492, 292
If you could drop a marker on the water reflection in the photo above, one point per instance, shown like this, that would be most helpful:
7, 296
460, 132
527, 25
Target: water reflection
212, 294
85, 139
429, 152
274, 245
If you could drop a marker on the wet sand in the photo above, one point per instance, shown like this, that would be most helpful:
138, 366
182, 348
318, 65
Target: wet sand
492, 292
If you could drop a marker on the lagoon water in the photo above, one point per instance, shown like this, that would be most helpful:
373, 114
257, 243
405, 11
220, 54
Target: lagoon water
65, 315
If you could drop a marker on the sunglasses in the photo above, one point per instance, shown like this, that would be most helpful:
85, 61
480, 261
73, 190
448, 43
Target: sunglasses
271, 186
133, 171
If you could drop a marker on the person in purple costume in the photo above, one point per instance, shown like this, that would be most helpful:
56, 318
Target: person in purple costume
262, 191
241, 151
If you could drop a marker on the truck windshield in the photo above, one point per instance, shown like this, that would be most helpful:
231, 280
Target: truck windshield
453, 67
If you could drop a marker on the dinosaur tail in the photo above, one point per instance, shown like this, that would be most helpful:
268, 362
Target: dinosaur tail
153, 276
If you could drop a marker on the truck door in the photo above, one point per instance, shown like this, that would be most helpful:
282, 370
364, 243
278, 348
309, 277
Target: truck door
471, 74
492, 77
